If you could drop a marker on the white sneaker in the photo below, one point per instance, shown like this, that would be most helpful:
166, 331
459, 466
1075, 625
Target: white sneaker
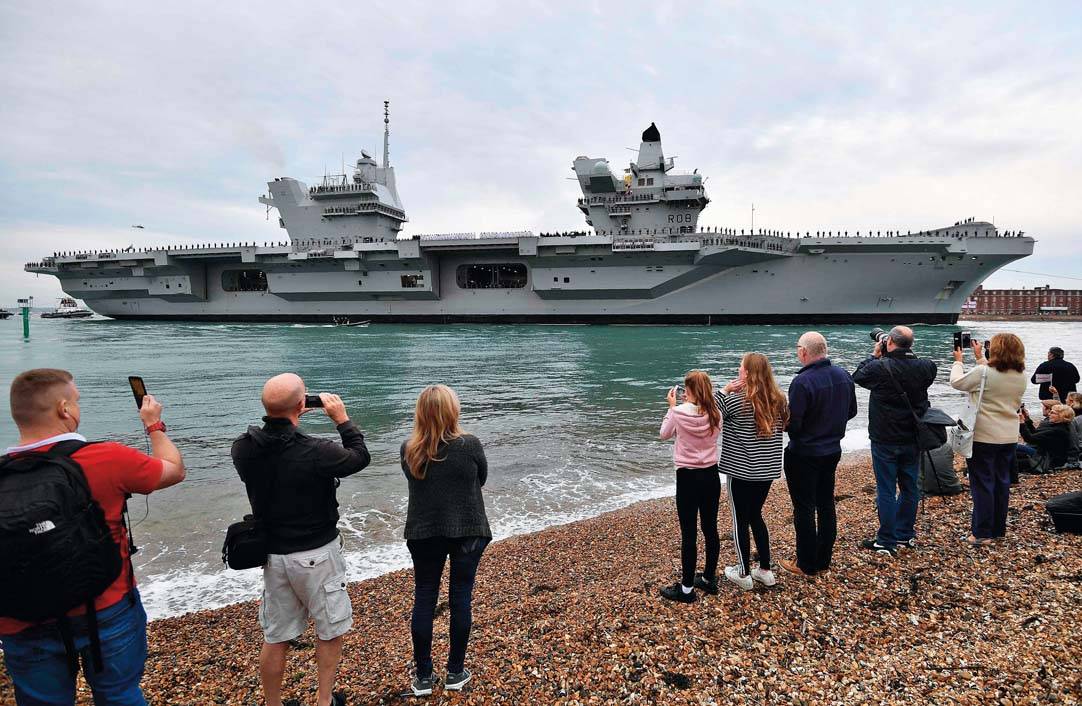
733, 574
764, 576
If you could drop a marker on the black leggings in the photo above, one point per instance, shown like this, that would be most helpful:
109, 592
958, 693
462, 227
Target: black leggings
698, 493
746, 499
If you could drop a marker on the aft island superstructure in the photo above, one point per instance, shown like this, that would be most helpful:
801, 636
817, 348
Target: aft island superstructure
644, 259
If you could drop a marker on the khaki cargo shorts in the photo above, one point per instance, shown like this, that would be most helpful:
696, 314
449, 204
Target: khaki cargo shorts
303, 585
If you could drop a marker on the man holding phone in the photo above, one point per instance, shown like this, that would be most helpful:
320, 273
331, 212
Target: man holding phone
291, 479
41, 656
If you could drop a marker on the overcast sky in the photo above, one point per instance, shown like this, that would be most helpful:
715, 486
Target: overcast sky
835, 116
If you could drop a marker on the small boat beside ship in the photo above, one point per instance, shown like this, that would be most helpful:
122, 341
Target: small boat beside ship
68, 309
5, 314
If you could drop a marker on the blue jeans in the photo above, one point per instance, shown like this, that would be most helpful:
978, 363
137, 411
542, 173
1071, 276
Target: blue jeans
38, 664
896, 469
429, 556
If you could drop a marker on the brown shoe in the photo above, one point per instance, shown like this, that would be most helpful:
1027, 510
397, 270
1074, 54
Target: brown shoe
792, 568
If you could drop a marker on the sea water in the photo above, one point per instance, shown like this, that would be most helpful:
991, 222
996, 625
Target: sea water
569, 416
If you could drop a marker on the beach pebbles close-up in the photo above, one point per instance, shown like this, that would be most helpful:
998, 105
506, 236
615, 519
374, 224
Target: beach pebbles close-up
571, 615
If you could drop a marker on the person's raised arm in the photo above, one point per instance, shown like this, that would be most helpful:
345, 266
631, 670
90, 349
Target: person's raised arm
161, 447
352, 456
867, 372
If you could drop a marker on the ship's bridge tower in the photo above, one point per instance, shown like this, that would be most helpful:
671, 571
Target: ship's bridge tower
342, 209
651, 199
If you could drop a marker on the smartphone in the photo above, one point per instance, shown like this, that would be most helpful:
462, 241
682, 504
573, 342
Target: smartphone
963, 339
138, 388
312, 401
680, 391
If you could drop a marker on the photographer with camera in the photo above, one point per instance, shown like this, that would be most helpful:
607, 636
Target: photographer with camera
291, 479
56, 555
899, 382
996, 386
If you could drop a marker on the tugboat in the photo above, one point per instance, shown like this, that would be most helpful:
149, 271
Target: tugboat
68, 309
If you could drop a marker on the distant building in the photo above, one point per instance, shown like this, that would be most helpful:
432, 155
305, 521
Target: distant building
1040, 301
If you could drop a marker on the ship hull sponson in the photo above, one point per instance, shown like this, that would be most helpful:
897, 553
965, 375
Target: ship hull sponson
559, 319
844, 283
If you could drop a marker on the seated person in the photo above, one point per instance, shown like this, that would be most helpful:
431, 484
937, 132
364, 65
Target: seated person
1052, 437
1074, 454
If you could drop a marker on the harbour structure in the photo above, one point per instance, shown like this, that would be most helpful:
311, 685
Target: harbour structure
644, 259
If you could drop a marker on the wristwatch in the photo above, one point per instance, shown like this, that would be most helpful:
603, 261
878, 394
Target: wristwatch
156, 426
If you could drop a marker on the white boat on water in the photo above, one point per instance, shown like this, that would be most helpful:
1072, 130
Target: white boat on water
68, 309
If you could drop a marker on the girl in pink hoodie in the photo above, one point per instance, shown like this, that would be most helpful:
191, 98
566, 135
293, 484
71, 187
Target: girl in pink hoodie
695, 424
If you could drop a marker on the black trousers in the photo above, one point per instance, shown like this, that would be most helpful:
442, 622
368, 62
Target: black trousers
698, 494
429, 557
746, 500
811, 488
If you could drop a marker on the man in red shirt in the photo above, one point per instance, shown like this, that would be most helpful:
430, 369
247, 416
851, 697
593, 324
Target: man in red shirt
45, 407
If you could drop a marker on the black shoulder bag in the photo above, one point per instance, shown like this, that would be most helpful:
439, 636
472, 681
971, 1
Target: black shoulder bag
246, 543
932, 427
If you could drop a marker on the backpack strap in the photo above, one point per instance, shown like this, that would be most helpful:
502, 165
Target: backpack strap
66, 636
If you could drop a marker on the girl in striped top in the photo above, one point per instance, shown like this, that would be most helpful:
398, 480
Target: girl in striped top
754, 413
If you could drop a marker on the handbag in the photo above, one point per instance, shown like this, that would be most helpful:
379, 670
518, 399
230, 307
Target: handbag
931, 428
246, 544
961, 435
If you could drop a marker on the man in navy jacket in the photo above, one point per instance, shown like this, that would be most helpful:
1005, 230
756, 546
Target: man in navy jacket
822, 400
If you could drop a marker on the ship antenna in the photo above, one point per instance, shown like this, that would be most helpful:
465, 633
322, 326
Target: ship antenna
386, 134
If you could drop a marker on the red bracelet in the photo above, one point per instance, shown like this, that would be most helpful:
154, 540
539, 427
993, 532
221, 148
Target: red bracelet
156, 426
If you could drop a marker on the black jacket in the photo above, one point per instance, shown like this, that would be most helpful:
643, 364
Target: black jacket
1053, 439
1064, 378
447, 502
822, 400
291, 478
889, 419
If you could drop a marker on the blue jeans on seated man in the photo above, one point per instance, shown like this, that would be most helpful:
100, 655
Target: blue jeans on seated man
38, 663
897, 493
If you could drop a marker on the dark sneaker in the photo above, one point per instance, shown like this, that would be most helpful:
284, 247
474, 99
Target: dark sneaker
705, 586
875, 546
676, 593
423, 687
455, 681
338, 700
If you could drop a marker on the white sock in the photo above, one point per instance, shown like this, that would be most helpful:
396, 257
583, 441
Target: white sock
686, 589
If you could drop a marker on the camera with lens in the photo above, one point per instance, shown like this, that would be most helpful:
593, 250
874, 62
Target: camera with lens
880, 337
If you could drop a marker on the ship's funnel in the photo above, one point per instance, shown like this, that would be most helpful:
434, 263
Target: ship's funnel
650, 154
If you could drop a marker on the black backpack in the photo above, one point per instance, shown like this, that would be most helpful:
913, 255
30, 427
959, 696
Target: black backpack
55, 545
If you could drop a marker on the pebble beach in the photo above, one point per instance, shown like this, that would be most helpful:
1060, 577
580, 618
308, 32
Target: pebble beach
570, 615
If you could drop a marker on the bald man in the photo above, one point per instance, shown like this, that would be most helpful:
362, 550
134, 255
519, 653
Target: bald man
899, 382
290, 479
822, 400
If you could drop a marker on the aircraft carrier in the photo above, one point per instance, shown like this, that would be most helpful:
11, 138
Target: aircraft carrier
644, 258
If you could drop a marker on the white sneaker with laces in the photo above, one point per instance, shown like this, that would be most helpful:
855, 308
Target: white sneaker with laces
763, 576
733, 574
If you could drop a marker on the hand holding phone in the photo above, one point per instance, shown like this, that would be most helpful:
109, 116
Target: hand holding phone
138, 388
312, 402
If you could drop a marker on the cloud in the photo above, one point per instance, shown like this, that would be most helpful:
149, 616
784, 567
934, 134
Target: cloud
827, 116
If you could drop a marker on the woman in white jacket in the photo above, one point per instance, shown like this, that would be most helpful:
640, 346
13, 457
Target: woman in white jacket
995, 432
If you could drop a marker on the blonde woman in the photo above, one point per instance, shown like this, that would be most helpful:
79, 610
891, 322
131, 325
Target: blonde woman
995, 431
754, 413
695, 424
445, 469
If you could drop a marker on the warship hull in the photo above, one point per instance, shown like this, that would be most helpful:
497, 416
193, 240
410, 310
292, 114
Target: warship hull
553, 280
